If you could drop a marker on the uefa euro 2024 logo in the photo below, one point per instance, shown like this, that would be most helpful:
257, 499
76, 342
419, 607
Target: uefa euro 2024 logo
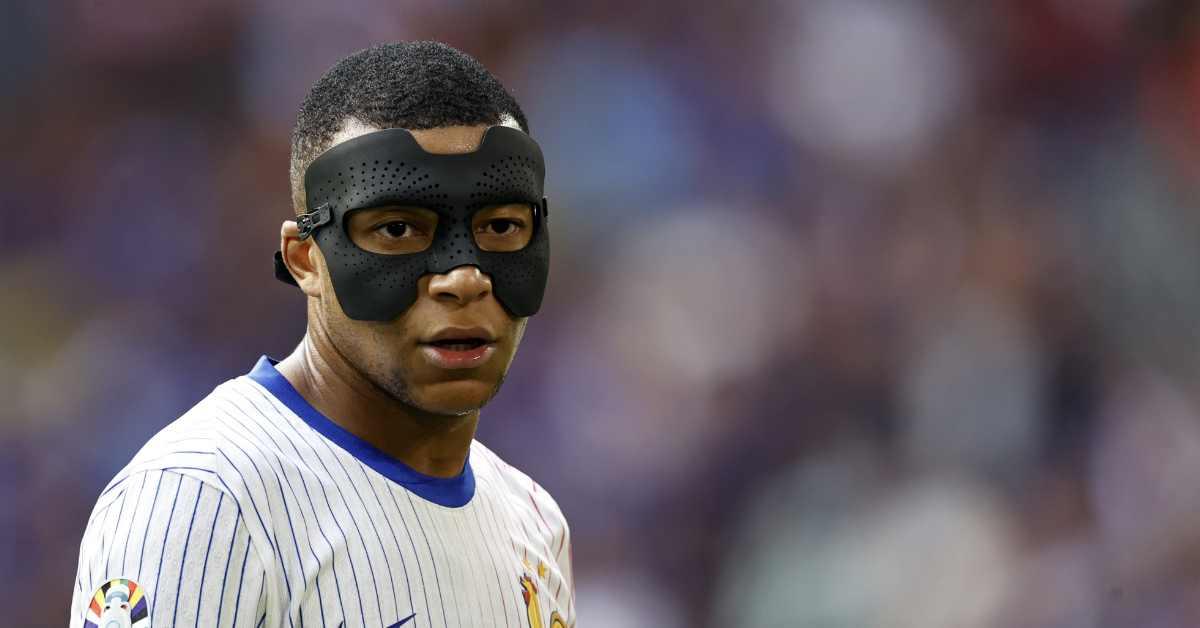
118, 603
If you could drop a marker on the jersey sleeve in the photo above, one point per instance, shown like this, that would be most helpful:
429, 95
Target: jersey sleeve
565, 563
558, 541
171, 548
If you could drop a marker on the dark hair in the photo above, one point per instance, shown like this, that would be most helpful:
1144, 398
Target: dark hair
410, 85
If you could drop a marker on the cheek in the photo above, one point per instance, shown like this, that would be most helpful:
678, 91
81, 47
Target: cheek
364, 342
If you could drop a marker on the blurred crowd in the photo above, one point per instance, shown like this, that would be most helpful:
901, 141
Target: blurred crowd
862, 313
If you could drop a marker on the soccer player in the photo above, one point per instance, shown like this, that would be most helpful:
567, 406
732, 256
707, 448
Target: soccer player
342, 485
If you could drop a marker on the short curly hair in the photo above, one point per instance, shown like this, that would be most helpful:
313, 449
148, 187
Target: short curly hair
410, 85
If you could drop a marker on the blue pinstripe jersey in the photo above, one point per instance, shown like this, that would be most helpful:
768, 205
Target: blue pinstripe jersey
253, 509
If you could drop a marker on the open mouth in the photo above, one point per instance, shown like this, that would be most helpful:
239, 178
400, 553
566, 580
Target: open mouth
458, 344
459, 349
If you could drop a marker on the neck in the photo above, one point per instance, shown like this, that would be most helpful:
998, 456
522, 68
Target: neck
431, 444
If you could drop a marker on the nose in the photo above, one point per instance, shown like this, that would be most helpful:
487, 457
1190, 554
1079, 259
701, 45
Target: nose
461, 285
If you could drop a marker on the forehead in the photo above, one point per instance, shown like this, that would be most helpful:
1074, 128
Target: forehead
444, 140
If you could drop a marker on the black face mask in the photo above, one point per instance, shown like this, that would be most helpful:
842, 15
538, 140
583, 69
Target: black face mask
390, 168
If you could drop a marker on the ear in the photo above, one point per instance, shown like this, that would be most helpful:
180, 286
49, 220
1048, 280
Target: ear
300, 257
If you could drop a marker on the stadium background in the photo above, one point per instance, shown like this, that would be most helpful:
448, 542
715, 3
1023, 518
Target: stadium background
862, 313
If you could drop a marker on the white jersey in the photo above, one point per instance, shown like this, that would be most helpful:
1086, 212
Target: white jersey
253, 509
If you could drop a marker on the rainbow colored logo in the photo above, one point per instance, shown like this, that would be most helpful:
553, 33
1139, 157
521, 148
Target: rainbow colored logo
118, 603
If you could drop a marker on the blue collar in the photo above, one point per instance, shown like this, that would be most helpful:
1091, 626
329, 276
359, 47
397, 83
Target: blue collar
452, 492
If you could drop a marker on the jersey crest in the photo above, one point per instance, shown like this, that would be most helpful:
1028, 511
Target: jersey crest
533, 607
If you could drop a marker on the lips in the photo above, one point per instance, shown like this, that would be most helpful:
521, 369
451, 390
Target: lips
465, 344
459, 347
460, 335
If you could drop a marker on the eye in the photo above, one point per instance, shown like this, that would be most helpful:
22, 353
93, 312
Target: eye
392, 230
396, 229
503, 226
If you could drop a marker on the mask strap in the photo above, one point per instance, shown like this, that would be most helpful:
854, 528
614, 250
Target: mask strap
308, 223
281, 271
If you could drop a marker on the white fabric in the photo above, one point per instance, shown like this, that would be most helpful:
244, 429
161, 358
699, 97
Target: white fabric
240, 514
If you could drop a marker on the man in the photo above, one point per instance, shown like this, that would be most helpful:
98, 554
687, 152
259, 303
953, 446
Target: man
342, 486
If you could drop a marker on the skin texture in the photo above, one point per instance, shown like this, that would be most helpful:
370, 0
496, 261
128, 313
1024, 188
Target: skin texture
373, 378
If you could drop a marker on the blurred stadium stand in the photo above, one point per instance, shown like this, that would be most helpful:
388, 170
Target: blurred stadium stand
862, 313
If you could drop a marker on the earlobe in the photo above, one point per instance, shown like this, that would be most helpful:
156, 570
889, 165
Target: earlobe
298, 256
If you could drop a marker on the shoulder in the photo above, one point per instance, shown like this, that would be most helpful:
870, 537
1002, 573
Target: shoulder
518, 486
207, 443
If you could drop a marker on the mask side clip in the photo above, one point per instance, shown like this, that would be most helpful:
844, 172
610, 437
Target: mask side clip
314, 220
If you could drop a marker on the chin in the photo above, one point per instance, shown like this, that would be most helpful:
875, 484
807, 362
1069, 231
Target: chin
454, 398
